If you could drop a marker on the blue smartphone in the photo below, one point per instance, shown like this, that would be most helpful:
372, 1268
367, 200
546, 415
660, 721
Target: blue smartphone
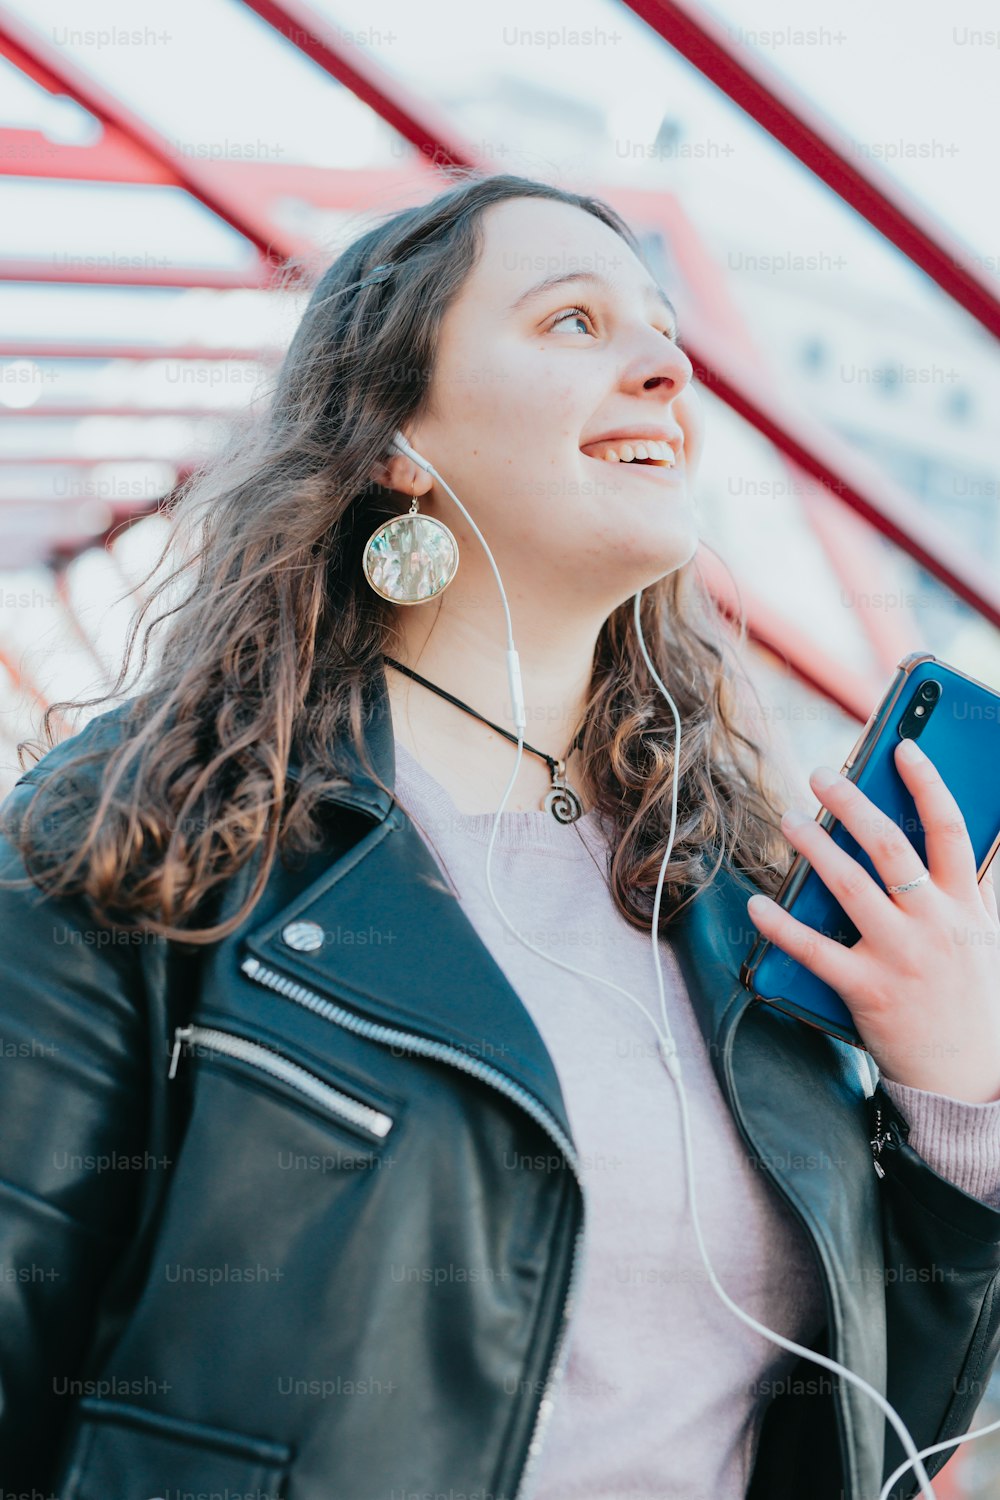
957, 722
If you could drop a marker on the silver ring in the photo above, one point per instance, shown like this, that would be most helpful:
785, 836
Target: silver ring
920, 880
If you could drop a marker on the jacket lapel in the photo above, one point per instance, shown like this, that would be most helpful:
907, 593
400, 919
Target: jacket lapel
420, 965
399, 950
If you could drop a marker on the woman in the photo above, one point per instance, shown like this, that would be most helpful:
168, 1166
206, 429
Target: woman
304, 1151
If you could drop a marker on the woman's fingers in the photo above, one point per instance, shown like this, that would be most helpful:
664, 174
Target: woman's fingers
823, 956
878, 914
950, 856
890, 851
864, 901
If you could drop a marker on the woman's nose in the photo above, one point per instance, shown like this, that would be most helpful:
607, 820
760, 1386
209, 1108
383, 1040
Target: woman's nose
658, 364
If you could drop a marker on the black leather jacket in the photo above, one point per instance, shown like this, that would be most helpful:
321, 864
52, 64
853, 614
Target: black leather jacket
302, 1265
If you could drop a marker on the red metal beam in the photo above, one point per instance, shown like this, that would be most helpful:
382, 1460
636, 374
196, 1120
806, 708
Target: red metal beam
883, 610
853, 479
767, 97
820, 671
37, 349
85, 461
853, 692
81, 272
24, 683
54, 72
852, 546
433, 134
77, 413
114, 158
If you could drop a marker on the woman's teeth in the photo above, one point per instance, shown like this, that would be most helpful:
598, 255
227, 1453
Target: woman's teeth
626, 453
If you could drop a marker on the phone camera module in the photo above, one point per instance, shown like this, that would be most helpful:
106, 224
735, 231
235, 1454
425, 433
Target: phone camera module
922, 705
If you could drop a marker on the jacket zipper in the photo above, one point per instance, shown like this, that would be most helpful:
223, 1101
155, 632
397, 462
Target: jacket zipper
806, 1228
292, 990
890, 1137
878, 1140
375, 1121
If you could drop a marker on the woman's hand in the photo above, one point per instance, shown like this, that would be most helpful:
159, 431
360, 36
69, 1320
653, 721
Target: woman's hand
923, 980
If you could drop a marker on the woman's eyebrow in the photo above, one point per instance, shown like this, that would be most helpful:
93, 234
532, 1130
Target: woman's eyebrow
593, 278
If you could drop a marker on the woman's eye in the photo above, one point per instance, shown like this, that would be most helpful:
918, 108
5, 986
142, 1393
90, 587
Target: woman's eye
574, 312
585, 312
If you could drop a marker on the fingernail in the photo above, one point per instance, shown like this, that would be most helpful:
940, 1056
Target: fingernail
824, 777
910, 750
794, 817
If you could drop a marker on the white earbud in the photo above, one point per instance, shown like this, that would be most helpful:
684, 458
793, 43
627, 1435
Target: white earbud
402, 446
665, 1042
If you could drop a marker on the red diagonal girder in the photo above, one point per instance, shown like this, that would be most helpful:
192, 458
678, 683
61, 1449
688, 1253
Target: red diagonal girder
410, 115
96, 270
113, 158
38, 349
95, 409
54, 72
853, 691
851, 544
23, 682
88, 461
767, 97
885, 614
854, 479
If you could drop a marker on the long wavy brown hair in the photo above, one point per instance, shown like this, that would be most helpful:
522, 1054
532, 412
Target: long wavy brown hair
269, 637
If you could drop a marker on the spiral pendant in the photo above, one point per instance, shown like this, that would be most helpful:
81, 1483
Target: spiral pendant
563, 803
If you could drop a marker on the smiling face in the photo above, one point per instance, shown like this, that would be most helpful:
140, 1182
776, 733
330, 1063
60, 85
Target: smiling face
525, 384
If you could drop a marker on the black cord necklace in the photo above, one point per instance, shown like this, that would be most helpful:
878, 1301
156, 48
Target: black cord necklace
562, 802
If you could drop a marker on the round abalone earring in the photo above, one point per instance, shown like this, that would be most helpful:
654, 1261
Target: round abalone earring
411, 558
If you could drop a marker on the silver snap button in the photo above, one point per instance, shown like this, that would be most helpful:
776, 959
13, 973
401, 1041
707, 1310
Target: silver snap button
305, 937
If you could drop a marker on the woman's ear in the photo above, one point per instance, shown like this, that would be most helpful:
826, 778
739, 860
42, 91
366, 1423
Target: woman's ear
402, 474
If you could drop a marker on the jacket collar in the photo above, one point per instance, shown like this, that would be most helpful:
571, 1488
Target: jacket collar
712, 927
711, 935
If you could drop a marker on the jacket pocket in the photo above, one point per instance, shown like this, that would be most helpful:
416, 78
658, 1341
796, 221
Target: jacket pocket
124, 1452
371, 1121
971, 1383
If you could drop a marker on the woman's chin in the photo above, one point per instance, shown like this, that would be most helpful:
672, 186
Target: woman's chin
674, 540
670, 558
647, 561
